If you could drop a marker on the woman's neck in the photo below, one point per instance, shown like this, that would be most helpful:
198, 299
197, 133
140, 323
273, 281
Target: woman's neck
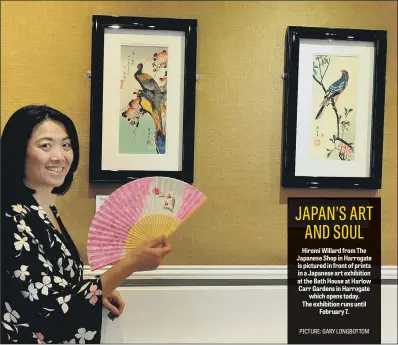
44, 198
43, 195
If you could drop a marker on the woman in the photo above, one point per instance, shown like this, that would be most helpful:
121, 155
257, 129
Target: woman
44, 296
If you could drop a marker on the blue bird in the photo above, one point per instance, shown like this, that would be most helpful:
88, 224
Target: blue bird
333, 93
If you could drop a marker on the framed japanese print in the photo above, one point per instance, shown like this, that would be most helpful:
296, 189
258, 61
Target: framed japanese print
333, 108
142, 98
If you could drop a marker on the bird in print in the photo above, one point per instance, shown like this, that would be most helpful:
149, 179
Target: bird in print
145, 80
156, 99
333, 93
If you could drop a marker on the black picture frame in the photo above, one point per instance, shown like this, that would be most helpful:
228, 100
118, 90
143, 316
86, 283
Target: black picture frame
187, 27
294, 40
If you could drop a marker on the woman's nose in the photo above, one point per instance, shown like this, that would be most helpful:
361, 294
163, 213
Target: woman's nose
57, 154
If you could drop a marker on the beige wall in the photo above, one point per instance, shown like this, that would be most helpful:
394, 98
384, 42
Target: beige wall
45, 53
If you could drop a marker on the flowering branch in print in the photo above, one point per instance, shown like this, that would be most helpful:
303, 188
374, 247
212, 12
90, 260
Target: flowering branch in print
169, 201
344, 148
317, 67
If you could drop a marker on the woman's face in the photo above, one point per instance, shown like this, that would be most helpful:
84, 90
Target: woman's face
49, 156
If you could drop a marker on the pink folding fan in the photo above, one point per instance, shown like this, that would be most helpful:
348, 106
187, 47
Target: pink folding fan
137, 212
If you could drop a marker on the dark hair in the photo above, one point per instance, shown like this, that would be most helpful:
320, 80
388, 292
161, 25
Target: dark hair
14, 142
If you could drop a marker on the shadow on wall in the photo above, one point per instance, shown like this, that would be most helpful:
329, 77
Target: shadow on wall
286, 193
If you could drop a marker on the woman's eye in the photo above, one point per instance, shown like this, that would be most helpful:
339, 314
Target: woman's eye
45, 146
67, 145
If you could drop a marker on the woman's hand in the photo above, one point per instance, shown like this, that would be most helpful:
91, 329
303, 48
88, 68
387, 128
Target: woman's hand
114, 303
147, 257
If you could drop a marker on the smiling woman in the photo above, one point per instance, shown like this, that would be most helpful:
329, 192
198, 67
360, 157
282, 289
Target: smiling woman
44, 296
49, 155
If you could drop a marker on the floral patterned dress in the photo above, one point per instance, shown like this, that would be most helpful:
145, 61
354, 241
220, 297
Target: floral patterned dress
44, 296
